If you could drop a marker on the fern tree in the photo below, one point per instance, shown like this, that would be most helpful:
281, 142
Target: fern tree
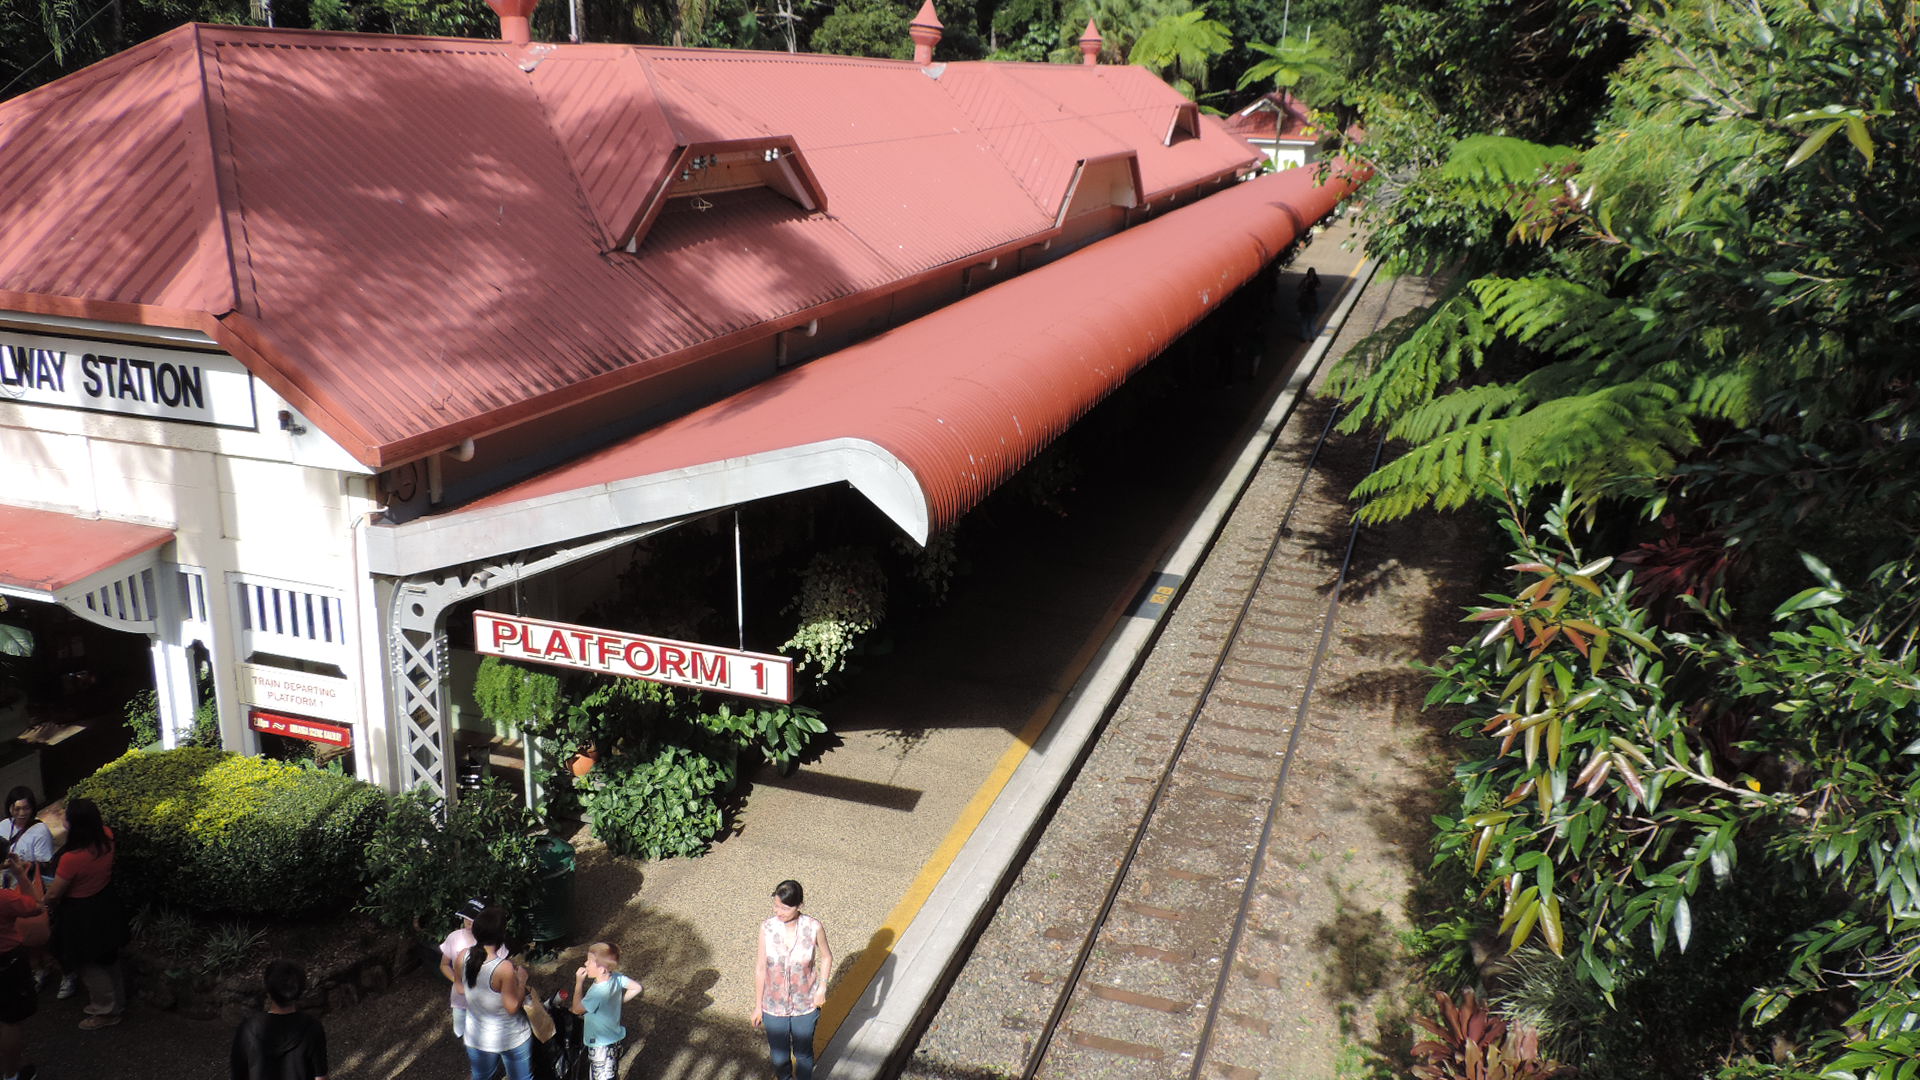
1726, 255
1181, 48
1708, 308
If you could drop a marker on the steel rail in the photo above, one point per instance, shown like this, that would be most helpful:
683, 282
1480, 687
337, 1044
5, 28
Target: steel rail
1164, 784
1062, 1001
1279, 788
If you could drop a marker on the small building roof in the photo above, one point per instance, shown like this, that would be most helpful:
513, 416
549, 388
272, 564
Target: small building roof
45, 553
1276, 116
418, 240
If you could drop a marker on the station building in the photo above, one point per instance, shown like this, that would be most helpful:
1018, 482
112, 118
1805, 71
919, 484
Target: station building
307, 338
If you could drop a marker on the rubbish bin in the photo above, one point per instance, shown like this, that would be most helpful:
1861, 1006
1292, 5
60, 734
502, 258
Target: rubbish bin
552, 916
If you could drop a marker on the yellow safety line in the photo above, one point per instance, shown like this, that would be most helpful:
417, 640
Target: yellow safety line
849, 988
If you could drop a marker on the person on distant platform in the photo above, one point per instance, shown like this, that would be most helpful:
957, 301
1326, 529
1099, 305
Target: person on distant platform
281, 1043
1308, 301
790, 978
599, 1001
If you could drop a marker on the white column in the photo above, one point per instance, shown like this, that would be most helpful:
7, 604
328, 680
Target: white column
173, 685
173, 681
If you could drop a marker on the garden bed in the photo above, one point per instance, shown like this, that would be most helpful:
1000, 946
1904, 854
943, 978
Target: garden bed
209, 971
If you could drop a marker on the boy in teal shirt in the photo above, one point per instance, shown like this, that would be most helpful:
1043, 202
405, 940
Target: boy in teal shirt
598, 1002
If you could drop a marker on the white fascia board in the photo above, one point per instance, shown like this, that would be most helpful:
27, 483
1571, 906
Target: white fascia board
21, 592
433, 543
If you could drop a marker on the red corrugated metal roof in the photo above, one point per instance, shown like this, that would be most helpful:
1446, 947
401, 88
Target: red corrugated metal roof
603, 107
42, 551
965, 396
1276, 115
107, 185
409, 237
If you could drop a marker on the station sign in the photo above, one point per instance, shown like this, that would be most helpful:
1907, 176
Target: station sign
281, 688
300, 727
610, 652
131, 380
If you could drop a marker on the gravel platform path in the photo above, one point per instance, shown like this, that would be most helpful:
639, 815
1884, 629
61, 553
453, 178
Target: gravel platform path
1319, 958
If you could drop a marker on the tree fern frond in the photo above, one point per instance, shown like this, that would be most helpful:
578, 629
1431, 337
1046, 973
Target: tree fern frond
1445, 473
1563, 378
1625, 430
1566, 318
1461, 408
1727, 395
1609, 437
1425, 354
1503, 160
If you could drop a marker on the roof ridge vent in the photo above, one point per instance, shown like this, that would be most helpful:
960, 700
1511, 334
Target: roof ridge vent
926, 31
515, 27
1090, 42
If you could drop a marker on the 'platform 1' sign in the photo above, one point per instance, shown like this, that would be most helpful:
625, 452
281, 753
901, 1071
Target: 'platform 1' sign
681, 663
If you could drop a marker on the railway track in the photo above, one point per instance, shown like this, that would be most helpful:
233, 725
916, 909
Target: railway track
1174, 918
1157, 971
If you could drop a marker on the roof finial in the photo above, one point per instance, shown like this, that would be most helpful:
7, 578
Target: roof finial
925, 32
1090, 43
514, 27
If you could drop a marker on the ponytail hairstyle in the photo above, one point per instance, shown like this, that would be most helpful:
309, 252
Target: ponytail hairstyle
489, 929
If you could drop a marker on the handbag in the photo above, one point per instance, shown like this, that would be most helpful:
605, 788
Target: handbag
538, 1016
35, 930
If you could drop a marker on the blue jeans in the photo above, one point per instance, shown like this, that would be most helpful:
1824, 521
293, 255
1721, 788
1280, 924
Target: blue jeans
791, 1040
518, 1060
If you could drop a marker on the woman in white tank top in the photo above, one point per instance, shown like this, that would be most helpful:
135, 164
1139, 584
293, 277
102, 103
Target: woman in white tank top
497, 1029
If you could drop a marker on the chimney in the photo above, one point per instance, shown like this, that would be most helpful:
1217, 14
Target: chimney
1090, 43
514, 29
925, 32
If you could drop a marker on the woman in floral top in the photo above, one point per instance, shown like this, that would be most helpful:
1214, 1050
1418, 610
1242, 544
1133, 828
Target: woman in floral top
790, 982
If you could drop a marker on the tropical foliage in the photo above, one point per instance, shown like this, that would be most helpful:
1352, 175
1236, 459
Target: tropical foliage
427, 859
1181, 48
1287, 64
1675, 329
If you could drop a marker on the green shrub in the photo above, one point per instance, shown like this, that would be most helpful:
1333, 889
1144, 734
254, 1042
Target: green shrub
781, 732
659, 806
421, 866
214, 831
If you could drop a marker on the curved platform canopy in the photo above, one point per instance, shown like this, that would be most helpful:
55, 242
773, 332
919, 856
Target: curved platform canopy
924, 420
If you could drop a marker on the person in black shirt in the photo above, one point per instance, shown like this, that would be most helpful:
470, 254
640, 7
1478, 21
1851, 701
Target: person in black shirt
281, 1043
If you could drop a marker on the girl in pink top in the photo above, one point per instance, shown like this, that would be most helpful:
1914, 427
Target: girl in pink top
790, 982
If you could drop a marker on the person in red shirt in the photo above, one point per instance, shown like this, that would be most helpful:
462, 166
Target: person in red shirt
89, 923
18, 998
